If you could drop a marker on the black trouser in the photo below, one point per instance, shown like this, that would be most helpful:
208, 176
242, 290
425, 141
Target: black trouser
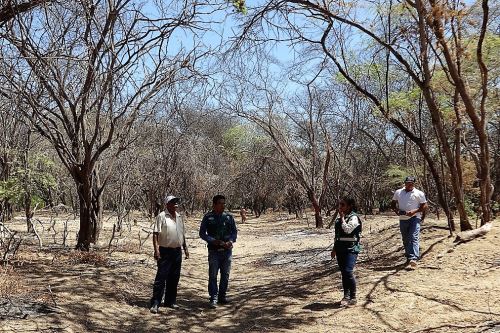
167, 275
347, 260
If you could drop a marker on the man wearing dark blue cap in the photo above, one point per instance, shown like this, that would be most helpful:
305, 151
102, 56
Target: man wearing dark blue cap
410, 204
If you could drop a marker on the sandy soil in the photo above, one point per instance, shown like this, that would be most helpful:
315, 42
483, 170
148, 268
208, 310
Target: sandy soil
282, 280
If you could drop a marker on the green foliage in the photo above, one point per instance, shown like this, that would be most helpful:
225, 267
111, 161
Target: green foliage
395, 175
240, 140
34, 180
11, 190
240, 6
235, 139
470, 207
404, 100
495, 206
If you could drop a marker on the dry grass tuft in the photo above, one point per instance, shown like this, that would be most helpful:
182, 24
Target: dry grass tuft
10, 283
90, 258
132, 248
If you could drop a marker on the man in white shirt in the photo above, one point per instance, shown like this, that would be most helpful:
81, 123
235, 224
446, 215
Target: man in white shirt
168, 237
410, 204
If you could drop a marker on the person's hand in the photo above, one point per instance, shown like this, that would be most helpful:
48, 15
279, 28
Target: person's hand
228, 245
333, 254
157, 255
341, 214
218, 243
411, 213
186, 253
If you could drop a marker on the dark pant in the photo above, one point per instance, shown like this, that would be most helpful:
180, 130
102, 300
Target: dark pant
167, 275
218, 260
347, 261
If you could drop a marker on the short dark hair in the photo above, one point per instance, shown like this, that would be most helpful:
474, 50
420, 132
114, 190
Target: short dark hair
350, 202
218, 197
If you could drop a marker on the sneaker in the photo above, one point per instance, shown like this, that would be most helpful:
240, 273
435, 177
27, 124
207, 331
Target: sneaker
173, 306
412, 265
213, 303
344, 301
352, 302
154, 308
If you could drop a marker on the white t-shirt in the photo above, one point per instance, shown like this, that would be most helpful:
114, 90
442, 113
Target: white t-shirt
349, 225
170, 231
409, 201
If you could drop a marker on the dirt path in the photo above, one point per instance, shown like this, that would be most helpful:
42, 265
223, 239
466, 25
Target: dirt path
282, 280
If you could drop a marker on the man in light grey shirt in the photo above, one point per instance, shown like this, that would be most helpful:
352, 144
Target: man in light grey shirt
410, 204
168, 237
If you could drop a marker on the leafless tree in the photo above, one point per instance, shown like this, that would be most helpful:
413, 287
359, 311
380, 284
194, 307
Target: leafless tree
296, 129
86, 70
12, 8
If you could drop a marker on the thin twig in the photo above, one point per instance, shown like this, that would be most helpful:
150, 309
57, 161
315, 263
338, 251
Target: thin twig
52, 296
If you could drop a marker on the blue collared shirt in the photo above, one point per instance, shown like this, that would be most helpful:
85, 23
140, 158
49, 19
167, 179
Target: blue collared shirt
223, 222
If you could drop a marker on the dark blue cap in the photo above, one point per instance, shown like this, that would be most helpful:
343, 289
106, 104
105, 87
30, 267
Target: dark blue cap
410, 179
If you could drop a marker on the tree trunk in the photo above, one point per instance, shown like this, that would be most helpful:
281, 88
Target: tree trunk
27, 184
97, 205
28, 213
433, 170
83, 242
90, 213
317, 209
485, 184
436, 114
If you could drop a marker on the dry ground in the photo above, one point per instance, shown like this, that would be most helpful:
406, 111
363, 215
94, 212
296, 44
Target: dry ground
282, 280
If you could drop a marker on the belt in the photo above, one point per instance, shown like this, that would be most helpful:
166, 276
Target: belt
218, 249
347, 239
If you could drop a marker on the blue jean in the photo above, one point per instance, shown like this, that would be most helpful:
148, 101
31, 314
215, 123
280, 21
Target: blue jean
167, 275
218, 260
346, 261
410, 233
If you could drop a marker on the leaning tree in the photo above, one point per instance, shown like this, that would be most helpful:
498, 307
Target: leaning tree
436, 44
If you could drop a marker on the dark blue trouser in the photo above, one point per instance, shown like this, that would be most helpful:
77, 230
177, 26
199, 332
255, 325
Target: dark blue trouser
347, 261
167, 275
218, 260
410, 233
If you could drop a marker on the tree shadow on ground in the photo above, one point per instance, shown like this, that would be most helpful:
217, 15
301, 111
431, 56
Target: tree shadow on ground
105, 296
394, 270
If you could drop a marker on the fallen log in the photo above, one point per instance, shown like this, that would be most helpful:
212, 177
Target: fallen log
469, 235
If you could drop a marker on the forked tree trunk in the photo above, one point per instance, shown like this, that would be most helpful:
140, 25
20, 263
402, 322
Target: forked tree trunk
436, 115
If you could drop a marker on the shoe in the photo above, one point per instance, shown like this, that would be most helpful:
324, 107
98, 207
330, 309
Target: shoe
213, 303
173, 306
352, 302
412, 265
344, 301
154, 308
223, 301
